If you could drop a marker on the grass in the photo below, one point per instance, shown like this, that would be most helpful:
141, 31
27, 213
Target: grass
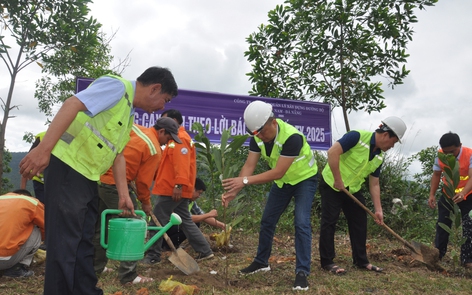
402, 275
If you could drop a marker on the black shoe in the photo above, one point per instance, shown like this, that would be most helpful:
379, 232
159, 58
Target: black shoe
253, 268
201, 256
151, 260
18, 271
300, 282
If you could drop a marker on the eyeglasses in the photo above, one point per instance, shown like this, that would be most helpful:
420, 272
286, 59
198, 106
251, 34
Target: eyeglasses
254, 133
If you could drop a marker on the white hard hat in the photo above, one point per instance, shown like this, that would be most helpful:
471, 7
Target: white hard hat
396, 125
256, 115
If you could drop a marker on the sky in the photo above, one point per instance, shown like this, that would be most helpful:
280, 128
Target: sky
203, 44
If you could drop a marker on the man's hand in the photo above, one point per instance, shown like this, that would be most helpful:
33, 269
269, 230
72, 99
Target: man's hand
339, 184
233, 184
379, 218
213, 213
127, 206
232, 187
147, 208
432, 202
34, 163
227, 197
459, 197
177, 194
221, 225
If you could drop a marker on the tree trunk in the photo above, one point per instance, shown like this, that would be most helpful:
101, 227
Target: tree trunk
346, 120
3, 127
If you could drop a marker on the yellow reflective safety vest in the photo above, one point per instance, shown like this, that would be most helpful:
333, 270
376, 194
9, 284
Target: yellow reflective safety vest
90, 144
355, 165
39, 178
303, 167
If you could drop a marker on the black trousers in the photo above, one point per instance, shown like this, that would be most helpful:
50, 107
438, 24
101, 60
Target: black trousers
332, 202
71, 211
442, 237
38, 190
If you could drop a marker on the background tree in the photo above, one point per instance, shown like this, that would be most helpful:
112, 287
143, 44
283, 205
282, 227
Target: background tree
335, 51
6, 183
59, 83
39, 31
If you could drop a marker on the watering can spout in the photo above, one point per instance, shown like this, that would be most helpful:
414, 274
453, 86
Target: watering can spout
174, 220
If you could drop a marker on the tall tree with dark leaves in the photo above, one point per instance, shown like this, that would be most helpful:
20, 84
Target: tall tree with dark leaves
33, 32
334, 51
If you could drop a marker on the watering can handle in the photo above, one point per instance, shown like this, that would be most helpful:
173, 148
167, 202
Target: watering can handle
104, 221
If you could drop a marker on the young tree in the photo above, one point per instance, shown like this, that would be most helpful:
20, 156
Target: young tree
336, 51
39, 30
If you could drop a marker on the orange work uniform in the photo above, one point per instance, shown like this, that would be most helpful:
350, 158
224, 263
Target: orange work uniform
143, 155
464, 163
175, 169
18, 216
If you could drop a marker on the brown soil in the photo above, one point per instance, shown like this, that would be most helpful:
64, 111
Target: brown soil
220, 274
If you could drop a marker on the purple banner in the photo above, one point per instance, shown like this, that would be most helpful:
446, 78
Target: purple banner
221, 111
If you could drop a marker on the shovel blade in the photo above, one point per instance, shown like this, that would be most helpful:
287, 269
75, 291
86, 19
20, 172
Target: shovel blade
183, 261
416, 252
429, 256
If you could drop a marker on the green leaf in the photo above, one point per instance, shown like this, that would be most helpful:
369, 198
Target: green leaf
445, 227
332, 51
224, 139
218, 160
237, 141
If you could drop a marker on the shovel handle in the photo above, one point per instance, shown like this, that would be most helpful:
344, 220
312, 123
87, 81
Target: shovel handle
166, 237
383, 224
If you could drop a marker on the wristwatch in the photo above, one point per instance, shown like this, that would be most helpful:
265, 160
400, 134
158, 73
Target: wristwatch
245, 180
178, 186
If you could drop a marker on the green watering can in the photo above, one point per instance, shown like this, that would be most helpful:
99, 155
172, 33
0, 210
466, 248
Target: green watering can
126, 235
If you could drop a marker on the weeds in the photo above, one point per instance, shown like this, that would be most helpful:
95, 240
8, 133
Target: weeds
401, 275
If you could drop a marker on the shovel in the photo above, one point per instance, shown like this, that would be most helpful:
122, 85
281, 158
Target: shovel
420, 252
179, 257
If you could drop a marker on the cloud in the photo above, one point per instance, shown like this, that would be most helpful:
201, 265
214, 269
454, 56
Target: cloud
203, 43
435, 96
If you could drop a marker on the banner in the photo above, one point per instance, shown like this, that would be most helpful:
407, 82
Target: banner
218, 112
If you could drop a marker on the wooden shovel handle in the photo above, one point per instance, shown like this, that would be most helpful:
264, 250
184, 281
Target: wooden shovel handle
166, 237
383, 224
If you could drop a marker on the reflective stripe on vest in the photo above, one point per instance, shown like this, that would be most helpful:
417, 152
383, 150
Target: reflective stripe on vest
90, 144
464, 163
304, 165
32, 200
355, 165
146, 139
172, 144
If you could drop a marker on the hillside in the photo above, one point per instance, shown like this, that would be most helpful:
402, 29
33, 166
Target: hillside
14, 175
